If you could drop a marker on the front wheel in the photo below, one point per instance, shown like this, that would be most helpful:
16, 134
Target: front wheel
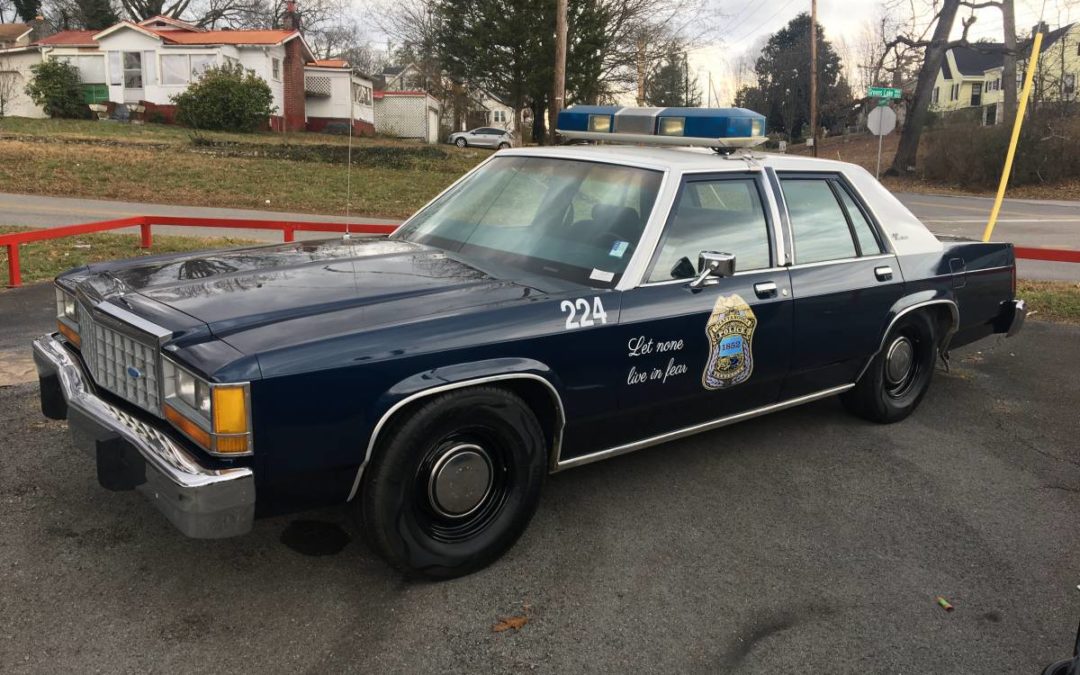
455, 483
461, 142
899, 376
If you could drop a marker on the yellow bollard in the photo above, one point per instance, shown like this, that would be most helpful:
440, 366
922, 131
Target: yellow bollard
1029, 77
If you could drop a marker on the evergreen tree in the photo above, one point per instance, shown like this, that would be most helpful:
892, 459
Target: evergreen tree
96, 14
28, 10
672, 85
782, 92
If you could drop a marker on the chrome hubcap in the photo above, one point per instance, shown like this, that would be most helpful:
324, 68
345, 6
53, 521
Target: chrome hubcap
460, 480
899, 360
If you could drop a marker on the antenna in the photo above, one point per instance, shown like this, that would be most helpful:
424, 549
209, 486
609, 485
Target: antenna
348, 161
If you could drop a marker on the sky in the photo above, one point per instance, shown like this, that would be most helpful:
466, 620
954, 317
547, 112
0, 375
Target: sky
744, 23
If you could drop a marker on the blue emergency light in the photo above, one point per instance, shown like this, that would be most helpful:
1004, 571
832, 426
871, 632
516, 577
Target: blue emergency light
703, 127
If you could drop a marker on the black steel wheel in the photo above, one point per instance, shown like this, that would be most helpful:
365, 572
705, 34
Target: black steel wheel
899, 375
454, 483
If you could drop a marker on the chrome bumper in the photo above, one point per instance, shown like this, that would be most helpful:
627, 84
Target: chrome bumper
1015, 312
131, 454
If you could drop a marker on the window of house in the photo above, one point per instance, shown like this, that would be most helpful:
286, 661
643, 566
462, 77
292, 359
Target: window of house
175, 69
937, 92
714, 215
818, 223
498, 117
133, 74
91, 68
275, 68
199, 64
116, 70
1068, 83
361, 94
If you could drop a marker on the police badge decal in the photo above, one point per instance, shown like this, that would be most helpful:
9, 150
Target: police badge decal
731, 343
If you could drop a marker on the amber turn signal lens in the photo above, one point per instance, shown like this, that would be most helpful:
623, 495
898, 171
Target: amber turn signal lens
230, 411
194, 431
231, 444
69, 333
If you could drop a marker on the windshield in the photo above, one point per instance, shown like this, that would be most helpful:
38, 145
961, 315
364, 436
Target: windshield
574, 220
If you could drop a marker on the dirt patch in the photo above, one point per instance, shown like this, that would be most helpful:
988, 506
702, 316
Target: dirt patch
16, 367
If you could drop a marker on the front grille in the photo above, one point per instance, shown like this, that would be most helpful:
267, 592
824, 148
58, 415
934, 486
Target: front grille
120, 363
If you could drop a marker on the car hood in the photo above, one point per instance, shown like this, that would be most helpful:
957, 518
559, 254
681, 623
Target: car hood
245, 290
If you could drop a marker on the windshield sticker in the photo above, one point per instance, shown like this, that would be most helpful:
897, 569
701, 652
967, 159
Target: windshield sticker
618, 249
730, 330
601, 275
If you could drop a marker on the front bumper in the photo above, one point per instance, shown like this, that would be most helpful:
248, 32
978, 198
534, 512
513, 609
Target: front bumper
131, 454
1012, 316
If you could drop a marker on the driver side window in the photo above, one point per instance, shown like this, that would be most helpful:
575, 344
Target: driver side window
726, 216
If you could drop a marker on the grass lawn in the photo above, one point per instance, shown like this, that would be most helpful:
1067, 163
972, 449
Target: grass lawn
35, 160
43, 260
1051, 300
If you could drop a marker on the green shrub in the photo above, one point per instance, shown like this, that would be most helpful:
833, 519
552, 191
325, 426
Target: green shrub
226, 98
973, 156
56, 88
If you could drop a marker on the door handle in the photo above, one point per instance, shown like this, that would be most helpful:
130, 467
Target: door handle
765, 289
883, 273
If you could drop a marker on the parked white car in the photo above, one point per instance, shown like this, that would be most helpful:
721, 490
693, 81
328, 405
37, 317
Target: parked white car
482, 137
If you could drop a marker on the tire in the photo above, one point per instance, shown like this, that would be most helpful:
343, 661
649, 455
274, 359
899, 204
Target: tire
424, 522
504, 145
888, 393
461, 143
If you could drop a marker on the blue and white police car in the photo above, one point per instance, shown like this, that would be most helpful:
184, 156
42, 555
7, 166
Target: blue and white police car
554, 307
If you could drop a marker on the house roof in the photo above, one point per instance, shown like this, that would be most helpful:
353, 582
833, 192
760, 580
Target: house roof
70, 38
228, 37
176, 23
393, 70
977, 59
1049, 38
13, 31
329, 63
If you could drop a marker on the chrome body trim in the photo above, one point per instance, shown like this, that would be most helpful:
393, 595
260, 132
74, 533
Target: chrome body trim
556, 441
201, 502
943, 343
698, 428
124, 316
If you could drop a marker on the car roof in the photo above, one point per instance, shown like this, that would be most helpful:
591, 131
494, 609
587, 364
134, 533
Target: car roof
681, 159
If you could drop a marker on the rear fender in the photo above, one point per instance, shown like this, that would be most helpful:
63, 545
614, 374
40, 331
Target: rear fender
447, 378
936, 299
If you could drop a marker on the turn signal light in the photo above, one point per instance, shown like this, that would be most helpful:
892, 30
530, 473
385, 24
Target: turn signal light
193, 431
231, 444
69, 333
230, 411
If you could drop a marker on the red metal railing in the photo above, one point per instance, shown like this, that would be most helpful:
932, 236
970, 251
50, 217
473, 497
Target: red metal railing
145, 224
289, 229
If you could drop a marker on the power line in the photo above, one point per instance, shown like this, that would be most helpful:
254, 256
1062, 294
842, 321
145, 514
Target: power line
735, 19
766, 21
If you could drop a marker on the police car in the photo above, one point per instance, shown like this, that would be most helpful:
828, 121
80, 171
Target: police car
552, 308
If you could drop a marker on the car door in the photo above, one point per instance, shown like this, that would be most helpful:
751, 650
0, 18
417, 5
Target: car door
843, 280
694, 355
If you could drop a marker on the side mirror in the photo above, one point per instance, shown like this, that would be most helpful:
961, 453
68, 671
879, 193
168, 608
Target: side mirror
712, 266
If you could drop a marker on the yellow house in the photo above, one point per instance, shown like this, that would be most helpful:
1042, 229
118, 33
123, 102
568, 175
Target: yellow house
971, 77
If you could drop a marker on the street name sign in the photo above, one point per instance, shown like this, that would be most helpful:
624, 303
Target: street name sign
884, 92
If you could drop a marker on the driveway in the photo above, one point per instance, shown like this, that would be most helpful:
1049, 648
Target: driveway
807, 541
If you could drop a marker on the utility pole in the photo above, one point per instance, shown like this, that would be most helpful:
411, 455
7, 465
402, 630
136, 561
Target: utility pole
559, 93
813, 74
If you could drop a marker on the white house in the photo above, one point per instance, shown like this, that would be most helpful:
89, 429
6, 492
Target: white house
150, 62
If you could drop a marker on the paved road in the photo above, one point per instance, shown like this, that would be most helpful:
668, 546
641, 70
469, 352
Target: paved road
1031, 223
1044, 224
807, 541
41, 211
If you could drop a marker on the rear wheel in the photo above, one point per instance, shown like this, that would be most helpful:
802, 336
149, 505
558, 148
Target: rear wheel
504, 145
900, 374
461, 142
455, 483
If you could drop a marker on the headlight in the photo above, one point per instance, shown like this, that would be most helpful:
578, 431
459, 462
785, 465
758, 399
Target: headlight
67, 317
215, 416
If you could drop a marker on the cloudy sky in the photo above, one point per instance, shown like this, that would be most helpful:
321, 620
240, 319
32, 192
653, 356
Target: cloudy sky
742, 24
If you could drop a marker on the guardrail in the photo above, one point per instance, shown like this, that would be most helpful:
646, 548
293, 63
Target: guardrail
289, 229
145, 224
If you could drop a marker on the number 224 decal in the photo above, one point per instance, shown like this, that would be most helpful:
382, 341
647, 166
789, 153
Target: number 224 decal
590, 314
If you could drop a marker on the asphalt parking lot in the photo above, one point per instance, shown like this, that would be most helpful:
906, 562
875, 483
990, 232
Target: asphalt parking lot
808, 541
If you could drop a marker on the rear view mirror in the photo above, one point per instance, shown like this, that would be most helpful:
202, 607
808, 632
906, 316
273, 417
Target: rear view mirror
712, 266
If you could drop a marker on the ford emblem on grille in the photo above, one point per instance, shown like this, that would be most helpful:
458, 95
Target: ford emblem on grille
134, 372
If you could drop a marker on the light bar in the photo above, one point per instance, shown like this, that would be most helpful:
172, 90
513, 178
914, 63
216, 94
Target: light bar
701, 127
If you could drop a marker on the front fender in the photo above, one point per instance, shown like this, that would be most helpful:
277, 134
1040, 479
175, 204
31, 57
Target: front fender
456, 376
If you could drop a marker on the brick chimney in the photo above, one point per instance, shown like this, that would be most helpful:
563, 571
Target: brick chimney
293, 73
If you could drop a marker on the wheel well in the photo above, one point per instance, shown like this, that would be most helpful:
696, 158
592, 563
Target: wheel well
943, 320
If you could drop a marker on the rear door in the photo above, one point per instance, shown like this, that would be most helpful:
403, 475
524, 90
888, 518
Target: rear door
691, 356
844, 281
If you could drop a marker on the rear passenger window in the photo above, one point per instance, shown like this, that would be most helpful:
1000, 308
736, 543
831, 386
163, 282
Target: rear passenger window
818, 224
714, 215
864, 231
